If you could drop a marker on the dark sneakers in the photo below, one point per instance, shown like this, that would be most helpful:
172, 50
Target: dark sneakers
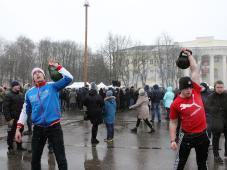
134, 130
21, 149
225, 155
10, 152
152, 130
94, 141
28, 132
108, 140
218, 160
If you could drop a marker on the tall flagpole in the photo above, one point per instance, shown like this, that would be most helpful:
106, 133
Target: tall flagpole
85, 66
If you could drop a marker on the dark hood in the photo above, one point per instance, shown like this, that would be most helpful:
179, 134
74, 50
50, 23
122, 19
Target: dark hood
93, 92
205, 86
156, 87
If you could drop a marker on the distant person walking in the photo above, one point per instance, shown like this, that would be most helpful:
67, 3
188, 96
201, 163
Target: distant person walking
142, 109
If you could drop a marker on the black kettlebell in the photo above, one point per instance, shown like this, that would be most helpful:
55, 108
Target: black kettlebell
182, 61
54, 74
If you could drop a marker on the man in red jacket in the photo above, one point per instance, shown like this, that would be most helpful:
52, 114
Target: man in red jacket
188, 106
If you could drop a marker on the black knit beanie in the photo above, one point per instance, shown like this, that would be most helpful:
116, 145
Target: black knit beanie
185, 82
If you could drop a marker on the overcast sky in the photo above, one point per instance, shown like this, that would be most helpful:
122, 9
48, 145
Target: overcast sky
142, 20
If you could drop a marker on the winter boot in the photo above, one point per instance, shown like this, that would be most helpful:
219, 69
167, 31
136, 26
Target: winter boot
20, 148
94, 141
152, 130
134, 130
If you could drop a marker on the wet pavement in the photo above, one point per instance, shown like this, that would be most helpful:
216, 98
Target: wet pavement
141, 151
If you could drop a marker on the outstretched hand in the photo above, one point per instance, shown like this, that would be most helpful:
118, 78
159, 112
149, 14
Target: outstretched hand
186, 51
52, 62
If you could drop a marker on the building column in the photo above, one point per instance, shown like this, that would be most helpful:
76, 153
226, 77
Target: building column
224, 69
199, 65
211, 70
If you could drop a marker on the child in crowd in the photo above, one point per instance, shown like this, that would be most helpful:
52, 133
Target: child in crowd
109, 115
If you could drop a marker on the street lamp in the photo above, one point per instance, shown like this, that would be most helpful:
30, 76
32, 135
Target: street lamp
85, 70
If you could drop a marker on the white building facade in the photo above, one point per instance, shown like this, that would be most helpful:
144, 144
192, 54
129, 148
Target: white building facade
211, 56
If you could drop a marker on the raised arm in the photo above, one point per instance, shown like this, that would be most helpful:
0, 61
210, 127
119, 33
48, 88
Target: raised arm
195, 76
67, 78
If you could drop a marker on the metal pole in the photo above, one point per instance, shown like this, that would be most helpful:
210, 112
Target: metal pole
85, 76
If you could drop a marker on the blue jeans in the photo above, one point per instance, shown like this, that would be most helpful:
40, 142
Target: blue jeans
156, 111
110, 130
131, 101
55, 135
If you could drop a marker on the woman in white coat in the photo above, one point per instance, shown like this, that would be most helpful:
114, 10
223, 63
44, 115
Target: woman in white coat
143, 110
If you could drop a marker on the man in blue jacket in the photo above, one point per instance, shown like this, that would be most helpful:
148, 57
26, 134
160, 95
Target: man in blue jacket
43, 102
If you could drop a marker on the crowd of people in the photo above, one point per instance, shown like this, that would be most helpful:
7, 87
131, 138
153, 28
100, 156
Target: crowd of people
197, 116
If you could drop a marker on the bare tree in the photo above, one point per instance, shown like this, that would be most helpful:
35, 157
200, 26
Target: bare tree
68, 53
166, 54
25, 58
113, 55
98, 69
44, 52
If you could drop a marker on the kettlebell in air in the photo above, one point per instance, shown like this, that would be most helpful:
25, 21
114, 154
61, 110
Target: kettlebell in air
182, 61
54, 74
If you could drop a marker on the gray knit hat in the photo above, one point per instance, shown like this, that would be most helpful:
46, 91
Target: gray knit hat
93, 86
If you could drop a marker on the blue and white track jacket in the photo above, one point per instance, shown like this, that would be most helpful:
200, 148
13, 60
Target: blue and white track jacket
42, 101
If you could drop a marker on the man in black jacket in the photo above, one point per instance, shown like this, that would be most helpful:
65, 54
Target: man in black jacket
156, 98
12, 106
216, 107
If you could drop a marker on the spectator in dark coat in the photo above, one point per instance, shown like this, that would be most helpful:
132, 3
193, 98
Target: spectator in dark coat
131, 96
12, 106
216, 107
122, 100
127, 97
102, 93
204, 94
157, 96
2, 96
94, 104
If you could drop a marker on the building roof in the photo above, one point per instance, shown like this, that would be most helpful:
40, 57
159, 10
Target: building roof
204, 42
